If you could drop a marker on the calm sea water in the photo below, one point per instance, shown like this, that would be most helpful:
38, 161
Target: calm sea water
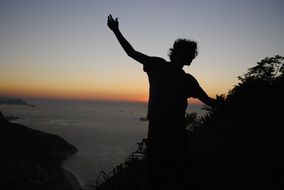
105, 132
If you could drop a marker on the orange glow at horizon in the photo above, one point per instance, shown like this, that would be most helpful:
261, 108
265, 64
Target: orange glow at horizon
73, 94
82, 95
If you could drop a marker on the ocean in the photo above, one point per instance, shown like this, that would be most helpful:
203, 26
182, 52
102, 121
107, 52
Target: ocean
105, 132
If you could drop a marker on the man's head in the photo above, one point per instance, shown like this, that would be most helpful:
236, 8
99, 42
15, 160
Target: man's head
183, 51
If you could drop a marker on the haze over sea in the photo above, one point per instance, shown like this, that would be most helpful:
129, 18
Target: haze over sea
105, 132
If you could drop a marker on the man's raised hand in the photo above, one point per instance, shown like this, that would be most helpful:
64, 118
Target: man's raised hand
112, 24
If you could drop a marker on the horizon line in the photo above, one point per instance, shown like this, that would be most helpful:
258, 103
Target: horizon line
194, 102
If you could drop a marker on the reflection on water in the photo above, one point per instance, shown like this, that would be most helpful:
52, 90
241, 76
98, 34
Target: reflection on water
104, 132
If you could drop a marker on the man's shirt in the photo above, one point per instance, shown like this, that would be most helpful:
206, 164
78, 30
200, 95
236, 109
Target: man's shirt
169, 89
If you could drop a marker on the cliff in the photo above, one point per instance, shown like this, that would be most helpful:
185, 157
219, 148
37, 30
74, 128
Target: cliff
31, 159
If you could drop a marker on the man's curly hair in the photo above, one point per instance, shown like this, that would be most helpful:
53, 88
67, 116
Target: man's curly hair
183, 47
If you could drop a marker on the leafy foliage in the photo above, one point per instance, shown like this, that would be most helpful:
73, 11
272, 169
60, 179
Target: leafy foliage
267, 70
262, 82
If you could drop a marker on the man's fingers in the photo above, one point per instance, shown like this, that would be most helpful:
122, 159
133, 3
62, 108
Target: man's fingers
111, 20
108, 18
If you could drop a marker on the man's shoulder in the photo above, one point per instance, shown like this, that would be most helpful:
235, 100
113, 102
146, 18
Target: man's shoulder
190, 78
159, 61
188, 75
156, 63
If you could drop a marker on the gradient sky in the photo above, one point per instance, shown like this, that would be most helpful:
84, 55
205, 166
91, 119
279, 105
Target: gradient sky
63, 48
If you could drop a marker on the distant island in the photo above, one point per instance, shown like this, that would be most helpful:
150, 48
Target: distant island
143, 119
14, 101
31, 159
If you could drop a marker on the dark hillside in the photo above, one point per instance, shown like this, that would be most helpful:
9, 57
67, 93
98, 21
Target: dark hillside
238, 145
31, 159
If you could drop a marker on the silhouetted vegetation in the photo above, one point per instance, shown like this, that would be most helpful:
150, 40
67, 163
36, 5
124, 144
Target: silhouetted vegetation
132, 169
238, 145
30, 159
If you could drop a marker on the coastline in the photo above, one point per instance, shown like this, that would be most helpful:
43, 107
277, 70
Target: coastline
72, 179
62, 118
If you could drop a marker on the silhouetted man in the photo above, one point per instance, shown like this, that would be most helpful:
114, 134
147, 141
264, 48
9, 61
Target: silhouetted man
170, 87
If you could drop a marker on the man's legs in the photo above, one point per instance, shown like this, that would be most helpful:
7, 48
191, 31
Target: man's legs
166, 157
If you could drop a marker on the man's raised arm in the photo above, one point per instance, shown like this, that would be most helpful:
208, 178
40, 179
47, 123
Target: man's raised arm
130, 51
